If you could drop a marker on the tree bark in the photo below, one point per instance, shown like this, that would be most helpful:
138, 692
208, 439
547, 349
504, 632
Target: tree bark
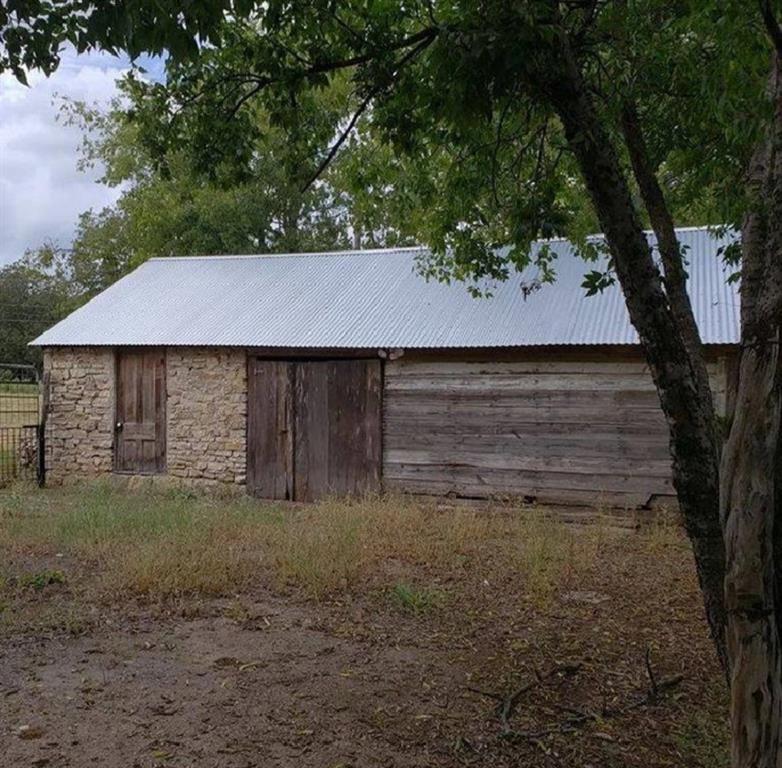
675, 277
751, 492
689, 414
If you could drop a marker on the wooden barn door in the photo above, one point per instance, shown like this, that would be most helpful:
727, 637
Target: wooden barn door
270, 429
338, 446
140, 428
314, 428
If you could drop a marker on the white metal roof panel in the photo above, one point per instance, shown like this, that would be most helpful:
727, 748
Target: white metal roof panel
372, 299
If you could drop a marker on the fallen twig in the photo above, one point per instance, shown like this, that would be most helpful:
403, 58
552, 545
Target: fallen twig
577, 717
507, 704
653, 689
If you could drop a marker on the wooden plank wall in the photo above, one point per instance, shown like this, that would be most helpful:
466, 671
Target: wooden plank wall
561, 431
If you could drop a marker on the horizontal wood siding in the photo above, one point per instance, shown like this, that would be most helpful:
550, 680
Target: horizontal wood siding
555, 430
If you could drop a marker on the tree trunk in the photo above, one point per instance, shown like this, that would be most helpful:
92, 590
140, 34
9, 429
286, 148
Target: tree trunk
689, 414
751, 492
675, 277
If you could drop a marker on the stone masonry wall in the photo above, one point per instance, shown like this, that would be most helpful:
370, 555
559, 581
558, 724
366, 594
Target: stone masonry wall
207, 415
80, 422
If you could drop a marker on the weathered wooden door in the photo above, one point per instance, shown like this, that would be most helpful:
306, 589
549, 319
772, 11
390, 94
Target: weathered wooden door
270, 389
314, 428
337, 445
140, 428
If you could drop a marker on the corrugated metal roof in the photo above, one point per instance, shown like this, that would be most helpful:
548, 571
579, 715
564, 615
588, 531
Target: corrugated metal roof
371, 299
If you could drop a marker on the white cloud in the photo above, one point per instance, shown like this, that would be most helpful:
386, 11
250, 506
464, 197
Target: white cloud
41, 191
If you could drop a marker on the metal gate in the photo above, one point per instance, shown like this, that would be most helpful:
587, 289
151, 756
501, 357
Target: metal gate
21, 428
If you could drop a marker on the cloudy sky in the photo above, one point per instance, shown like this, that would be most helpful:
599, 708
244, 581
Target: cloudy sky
41, 192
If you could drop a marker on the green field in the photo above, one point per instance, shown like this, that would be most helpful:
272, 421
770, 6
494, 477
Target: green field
19, 404
13, 387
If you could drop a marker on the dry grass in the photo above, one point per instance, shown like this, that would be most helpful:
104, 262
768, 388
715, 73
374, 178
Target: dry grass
164, 543
337, 545
153, 544
492, 595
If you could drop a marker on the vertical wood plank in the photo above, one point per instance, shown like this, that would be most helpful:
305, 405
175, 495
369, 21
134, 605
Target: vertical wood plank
337, 399
270, 429
311, 431
285, 430
160, 412
373, 425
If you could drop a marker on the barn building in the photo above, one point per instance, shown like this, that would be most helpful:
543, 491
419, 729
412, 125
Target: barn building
302, 375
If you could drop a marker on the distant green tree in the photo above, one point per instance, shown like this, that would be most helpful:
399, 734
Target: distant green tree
178, 199
32, 298
170, 206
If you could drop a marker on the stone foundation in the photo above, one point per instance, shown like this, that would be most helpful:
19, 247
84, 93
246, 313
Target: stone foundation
206, 415
80, 423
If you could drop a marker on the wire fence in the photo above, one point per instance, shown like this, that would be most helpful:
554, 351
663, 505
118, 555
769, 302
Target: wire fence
21, 430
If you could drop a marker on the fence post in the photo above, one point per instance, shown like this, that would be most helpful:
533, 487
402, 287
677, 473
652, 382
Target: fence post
42, 430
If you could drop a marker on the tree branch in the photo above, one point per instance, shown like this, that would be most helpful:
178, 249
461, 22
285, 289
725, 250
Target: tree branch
259, 84
772, 25
332, 153
419, 40
675, 276
662, 223
423, 43
425, 35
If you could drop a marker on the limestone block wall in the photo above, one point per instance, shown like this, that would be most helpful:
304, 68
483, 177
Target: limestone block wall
80, 422
206, 414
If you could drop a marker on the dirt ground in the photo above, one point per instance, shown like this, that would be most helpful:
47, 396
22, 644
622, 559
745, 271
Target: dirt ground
271, 677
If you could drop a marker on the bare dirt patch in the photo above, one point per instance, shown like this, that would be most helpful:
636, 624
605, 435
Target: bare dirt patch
402, 648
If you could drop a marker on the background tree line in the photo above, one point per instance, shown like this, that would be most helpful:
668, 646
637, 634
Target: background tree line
182, 200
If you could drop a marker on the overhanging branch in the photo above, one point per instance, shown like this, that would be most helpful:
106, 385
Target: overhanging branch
772, 25
423, 42
332, 153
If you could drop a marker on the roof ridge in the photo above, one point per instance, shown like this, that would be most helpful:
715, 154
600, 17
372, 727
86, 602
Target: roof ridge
595, 235
399, 249
308, 254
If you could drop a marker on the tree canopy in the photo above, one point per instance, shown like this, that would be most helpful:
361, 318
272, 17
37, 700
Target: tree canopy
444, 129
443, 104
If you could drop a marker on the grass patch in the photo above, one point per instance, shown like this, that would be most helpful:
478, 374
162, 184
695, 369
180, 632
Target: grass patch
28, 389
150, 543
157, 543
7, 455
41, 579
704, 741
551, 554
66, 617
662, 532
19, 405
415, 600
322, 549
